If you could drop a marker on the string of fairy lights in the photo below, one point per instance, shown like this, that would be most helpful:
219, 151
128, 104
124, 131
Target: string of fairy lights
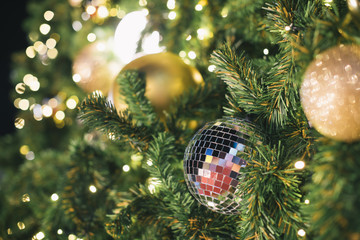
57, 106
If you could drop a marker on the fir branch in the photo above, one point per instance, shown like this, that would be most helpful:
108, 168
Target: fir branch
334, 194
146, 216
281, 97
99, 114
271, 193
188, 219
196, 102
132, 86
199, 104
161, 154
237, 72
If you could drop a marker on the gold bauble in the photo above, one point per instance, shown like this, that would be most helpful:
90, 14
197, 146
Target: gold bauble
330, 93
354, 8
94, 68
167, 77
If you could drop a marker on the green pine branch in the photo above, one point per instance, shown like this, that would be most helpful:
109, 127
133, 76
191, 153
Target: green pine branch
161, 154
244, 85
335, 194
132, 86
271, 196
99, 114
194, 103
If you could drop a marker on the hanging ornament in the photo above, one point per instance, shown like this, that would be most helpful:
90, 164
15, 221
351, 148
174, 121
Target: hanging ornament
330, 93
167, 77
213, 161
128, 34
354, 8
94, 68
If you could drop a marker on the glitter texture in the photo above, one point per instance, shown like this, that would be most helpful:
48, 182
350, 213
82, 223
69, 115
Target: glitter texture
213, 162
330, 93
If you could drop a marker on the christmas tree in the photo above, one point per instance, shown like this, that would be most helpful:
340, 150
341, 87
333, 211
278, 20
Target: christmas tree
185, 119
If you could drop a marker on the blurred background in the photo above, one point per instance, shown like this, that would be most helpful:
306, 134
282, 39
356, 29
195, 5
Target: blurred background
14, 39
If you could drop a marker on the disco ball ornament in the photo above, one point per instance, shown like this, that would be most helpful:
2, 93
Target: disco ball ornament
213, 161
95, 67
330, 93
167, 76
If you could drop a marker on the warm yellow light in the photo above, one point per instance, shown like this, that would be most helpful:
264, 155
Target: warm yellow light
91, 37
121, 13
24, 149
16, 102
20, 88
59, 231
90, 9
92, 189
30, 155
19, 123
51, 43
301, 232
151, 188
111, 136
25, 198
75, 3
40, 235
52, 53
300, 164
76, 77
43, 50
48, 15
171, 4
188, 38
224, 12
46, 110
307, 201
60, 115
198, 7
30, 52
136, 157
39, 46
126, 168
149, 162
202, 33
142, 3
9, 232
21, 225
53, 102
72, 237
172, 15
211, 68
71, 103
45, 28
192, 55
328, 3
28, 77
24, 104
102, 12
54, 197
182, 54
34, 84
153, 182
77, 26
85, 16
33, 36
113, 12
